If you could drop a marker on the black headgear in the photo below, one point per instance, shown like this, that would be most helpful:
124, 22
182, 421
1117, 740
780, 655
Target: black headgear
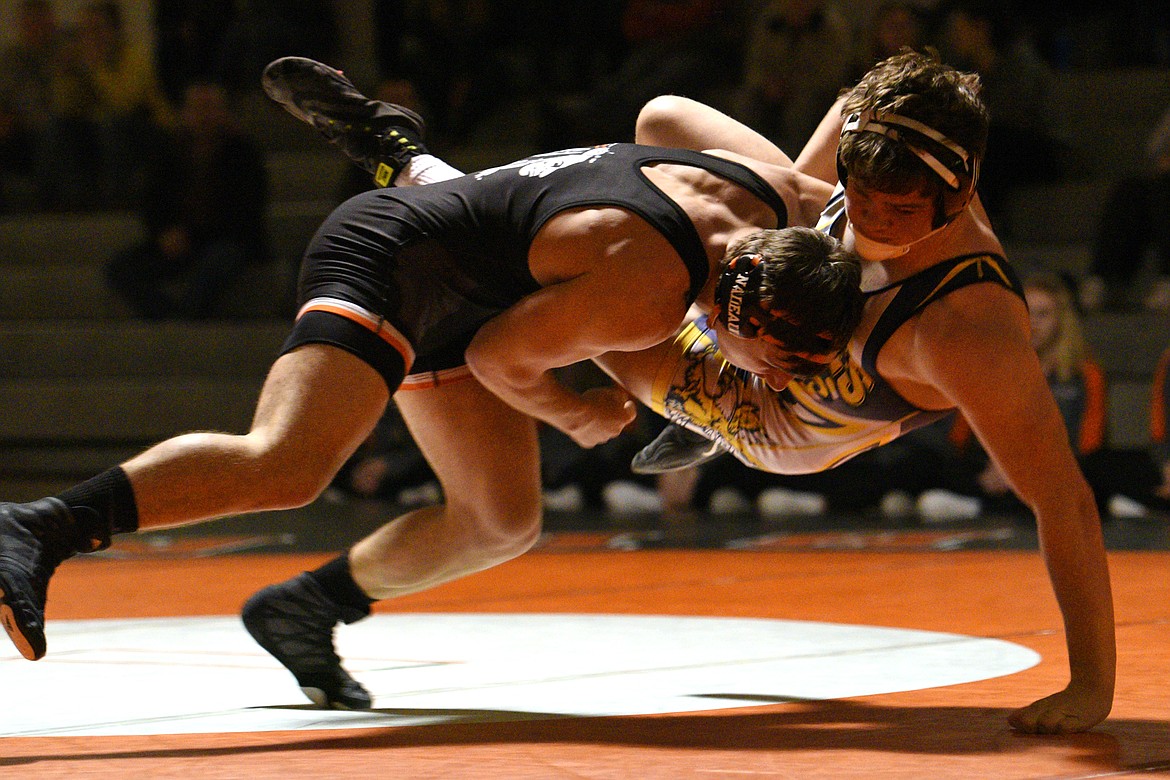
955, 166
739, 308
800, 307
737, 296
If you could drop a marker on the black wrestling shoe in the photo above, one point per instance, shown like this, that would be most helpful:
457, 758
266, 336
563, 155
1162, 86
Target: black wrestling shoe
675, 448
34, 539
294, 620
380, 137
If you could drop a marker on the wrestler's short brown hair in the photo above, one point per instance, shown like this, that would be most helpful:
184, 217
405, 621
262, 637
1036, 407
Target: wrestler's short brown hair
919, 86
797, 287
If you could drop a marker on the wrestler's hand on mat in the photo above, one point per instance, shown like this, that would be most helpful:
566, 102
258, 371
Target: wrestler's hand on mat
1075, 709
609, 411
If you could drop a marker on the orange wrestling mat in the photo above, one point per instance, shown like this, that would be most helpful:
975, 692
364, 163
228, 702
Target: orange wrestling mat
781, 663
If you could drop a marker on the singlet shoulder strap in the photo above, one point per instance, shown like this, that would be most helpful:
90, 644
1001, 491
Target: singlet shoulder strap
685, 237
832, 218
930, 284
726, 169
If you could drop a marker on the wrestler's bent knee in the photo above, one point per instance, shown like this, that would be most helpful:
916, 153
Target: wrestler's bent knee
291, 482
509, 534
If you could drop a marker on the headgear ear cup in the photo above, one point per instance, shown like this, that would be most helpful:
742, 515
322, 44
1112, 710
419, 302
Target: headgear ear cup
957, 168
737, 290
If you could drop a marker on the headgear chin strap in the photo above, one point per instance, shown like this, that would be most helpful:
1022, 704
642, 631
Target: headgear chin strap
955, 166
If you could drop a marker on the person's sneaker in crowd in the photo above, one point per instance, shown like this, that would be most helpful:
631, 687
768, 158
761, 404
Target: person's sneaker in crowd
420, 495
566, 498
34, 539
1125, 508
294, 621
782, 502
675, 447
943, 506
897, 505
626, 497
380, 137
729, 501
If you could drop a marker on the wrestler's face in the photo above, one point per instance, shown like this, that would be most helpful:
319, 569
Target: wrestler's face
889, 218
774, 364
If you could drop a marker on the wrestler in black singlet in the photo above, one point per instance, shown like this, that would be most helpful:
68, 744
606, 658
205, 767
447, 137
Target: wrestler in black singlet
429, 265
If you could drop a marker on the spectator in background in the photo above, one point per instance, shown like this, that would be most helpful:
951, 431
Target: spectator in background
1137, 480
1135, 218
203, 212
670, 46
26, 96
896, 24
1159, 436
262, 30
982, 36
189, 37
568, 49
109, 106
449, 50
799, 56
1093, 34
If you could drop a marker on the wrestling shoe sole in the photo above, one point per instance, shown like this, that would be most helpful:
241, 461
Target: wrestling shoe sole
314, 93
668, 456
30, 648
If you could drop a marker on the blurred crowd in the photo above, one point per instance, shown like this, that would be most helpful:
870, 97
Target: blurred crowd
79, 94
94, 117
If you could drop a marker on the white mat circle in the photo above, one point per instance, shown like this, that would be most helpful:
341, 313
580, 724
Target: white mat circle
205, 674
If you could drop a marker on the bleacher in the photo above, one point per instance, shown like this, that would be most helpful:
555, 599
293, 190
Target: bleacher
1103, 119
83, 385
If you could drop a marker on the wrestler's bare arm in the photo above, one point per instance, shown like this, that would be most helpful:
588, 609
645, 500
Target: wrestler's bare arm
636, 371
687, 124
818, 158
682, 123
670, 120
993, 376
513, 355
